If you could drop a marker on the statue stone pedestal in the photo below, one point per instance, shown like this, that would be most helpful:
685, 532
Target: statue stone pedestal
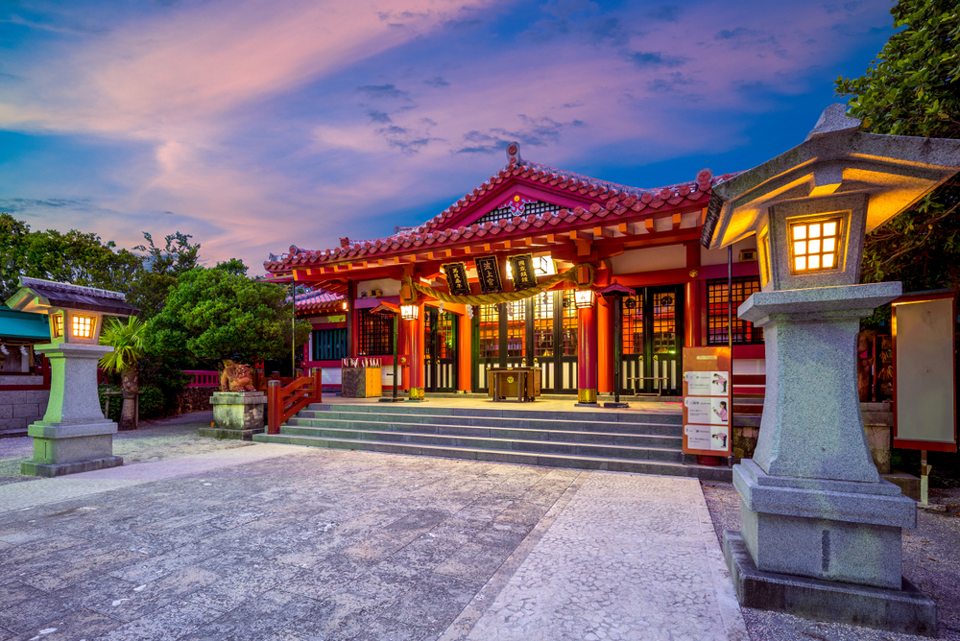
73, 435
236, 415
820, 531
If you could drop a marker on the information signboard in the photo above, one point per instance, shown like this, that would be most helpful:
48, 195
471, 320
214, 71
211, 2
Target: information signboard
924, 372
456, 274
488, 272
707, 401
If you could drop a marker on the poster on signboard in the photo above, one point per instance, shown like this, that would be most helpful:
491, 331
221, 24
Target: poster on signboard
708, 401
698, 436
707, 410
708, 383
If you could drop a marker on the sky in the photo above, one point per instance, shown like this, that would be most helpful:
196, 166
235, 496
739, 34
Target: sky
254, 125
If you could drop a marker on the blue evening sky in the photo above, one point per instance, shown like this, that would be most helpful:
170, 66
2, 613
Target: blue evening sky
257, 124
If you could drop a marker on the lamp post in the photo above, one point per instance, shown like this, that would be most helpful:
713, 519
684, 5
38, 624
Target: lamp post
410, 312
820, 531
586, 347
615, 293
394, 312
73, 435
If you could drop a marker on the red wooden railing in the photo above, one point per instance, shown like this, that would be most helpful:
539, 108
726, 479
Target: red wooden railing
283, 402
203, 378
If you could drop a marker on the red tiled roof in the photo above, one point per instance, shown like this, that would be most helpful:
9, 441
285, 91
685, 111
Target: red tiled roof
610, 199
318, 301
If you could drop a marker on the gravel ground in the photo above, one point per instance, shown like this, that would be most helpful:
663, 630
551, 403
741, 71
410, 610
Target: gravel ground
153, 441
931, 560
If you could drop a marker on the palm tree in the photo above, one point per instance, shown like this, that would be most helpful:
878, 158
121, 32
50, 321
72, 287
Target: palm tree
127, 342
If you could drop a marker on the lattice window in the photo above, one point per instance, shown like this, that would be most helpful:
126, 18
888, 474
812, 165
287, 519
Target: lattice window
376, 333
507, 211
664, 323
568, 323
329, 344
446, 334
632, 324
743, 331
489, 335
543, 325
516, 328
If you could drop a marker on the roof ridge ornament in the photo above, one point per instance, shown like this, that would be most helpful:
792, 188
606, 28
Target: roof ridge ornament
833, 118
513, 153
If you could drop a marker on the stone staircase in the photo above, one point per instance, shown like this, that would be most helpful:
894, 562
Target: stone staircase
616, 441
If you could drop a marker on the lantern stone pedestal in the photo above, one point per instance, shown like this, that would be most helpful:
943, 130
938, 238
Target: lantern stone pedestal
73, 435
236, 415
820, 531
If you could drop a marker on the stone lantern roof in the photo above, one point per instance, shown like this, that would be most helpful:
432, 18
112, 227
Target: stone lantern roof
835, 159
38, 295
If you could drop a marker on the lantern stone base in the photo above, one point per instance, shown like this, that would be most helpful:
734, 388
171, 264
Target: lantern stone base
904, 610
69, 448
236, 415
828, 530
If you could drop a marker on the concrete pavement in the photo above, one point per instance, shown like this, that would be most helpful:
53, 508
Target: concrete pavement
278, 542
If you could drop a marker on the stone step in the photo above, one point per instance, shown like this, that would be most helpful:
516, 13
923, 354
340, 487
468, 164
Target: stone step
443, 439
674, 416
668, 468
670, 437
495, 422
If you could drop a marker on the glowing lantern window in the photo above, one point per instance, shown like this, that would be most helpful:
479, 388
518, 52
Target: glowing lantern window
57, 326
814, 245
82, 327
409, 312
584, 298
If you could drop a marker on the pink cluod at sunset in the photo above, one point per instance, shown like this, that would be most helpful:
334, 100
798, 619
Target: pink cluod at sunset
254, 125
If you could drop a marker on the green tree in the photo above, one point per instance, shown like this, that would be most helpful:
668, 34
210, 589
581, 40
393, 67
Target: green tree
73, 257
127, 340
162, 267
913, 88
217, 314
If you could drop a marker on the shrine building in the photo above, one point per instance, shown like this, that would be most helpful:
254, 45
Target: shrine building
510, 276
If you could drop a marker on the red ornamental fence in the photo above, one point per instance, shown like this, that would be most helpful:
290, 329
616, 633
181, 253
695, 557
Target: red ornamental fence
203, 378
283, 402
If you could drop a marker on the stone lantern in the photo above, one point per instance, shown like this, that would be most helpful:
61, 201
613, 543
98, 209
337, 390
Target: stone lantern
73, 435
820, 531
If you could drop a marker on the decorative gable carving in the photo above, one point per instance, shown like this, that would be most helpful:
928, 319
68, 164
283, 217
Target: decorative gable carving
519, 206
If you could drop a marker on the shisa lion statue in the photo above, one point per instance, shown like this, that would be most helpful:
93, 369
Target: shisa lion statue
236, 377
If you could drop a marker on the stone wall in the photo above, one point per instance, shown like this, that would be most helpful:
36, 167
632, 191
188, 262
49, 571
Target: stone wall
194, 399
20, 408
877, 421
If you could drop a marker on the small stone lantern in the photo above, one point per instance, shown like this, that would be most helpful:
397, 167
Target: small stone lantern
820, 531
73, 436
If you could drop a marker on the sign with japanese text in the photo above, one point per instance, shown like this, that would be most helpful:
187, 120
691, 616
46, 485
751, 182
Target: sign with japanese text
707, 401
523, 272
488, 271
456, 274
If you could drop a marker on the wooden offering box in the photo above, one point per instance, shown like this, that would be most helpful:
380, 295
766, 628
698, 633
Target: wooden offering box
360, 378
521, 383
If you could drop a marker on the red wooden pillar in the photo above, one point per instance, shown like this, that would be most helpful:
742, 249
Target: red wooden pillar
691, 314
415, 331
587, 355
605, 346
465, 354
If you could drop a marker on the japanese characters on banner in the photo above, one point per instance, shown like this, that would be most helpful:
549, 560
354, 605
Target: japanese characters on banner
524, 274
488, 271
456, 274
707, 401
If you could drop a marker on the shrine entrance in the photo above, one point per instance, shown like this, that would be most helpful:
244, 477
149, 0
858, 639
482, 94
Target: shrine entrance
652, 332
440, 351
540, 331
